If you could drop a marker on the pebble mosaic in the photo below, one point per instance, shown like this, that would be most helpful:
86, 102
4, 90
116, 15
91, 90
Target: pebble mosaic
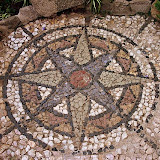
70, 90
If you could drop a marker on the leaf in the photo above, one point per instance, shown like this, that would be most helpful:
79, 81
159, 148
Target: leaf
157, 5
89, 1
16, 1
5, 15
99, 6
94, 5
158, 16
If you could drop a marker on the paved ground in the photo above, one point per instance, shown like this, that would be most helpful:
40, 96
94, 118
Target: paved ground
77, 90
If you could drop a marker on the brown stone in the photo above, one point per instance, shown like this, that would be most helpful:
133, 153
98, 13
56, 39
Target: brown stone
120, 8
106, 6
8, 25
125, 63
135, 89
65, 4
142, 6
16, 137
2, 109
30, 68
27, 14
1, 46
128, 98
122, 54
123, 7
3, 148
102, 121
90, 128
127, 108
11, 22
48, 8
99, 43
2, 50
4, 140
45, 7
113, 121
4, 31
133, 69
63, 127
52, 119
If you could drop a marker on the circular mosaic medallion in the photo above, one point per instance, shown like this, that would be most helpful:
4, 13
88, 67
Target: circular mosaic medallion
78, 87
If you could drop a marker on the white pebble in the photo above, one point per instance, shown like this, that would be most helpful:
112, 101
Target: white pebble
110, 156
117, 139
124, 135
71, 147
56, 140
25, 157
156, 130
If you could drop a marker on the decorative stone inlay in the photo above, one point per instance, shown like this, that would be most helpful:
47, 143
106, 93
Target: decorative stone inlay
109, 79
79, 106
80, 79
50, 78
82, 54
79, 89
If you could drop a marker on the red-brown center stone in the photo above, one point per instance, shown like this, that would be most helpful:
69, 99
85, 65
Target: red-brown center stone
80, 79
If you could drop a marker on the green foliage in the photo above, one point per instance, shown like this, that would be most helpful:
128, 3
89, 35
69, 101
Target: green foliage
157, 5
95, 5
3, 16
11, 7
158, 16
25, 2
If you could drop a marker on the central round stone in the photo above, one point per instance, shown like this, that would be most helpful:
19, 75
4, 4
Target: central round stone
80, 79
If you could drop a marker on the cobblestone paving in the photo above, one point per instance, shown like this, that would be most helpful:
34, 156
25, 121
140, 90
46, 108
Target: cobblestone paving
73, 90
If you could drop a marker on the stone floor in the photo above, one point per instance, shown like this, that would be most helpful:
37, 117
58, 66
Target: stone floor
77, 90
